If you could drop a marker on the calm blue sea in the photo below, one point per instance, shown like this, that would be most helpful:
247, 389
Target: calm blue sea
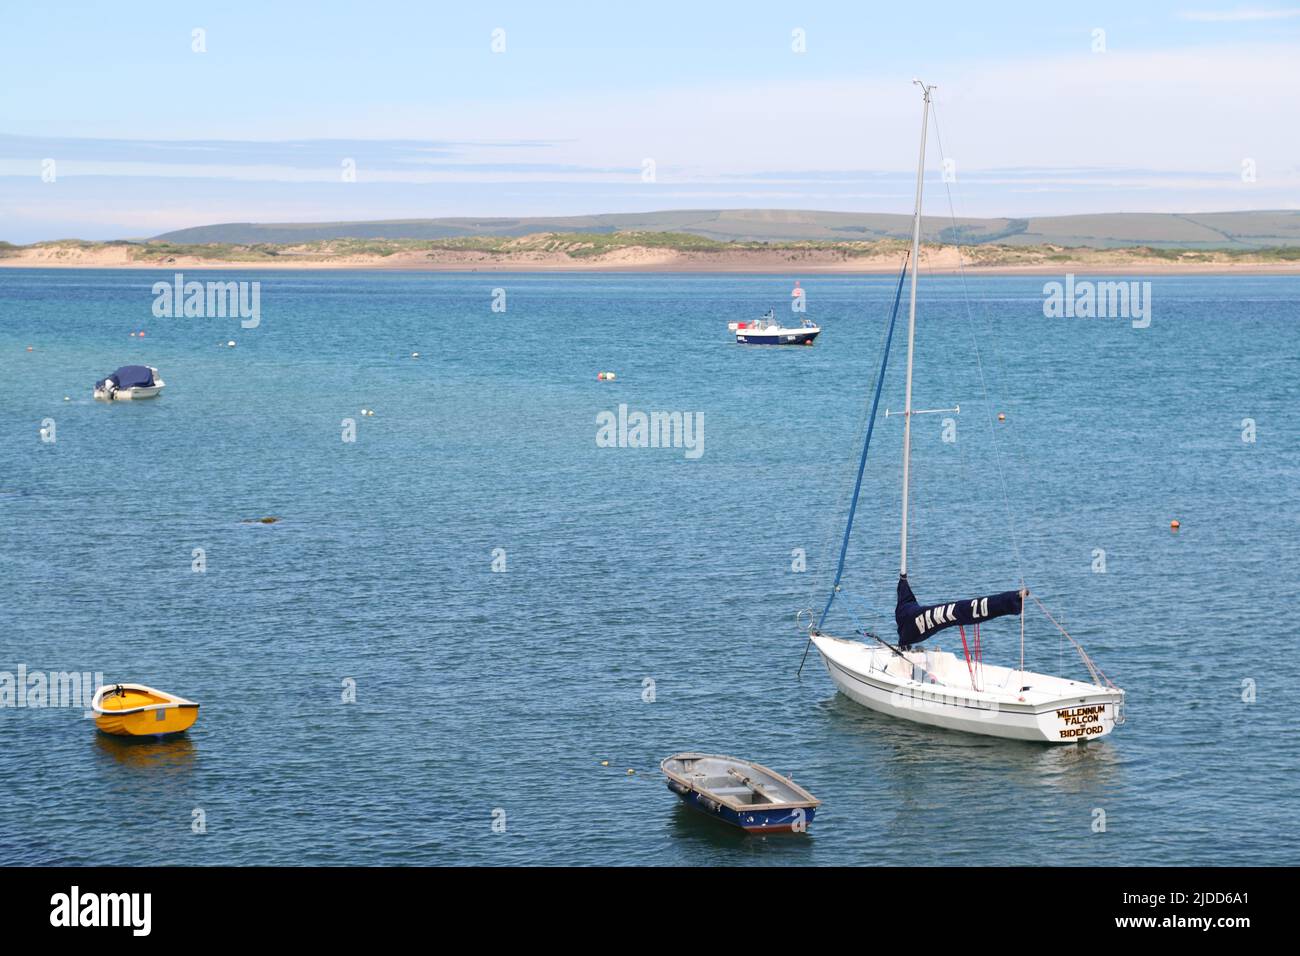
648, 599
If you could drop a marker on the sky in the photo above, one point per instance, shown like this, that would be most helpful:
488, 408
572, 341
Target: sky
121, 121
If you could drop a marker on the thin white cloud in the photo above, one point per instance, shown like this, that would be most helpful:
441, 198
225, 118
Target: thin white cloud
1130, 129
1239, 15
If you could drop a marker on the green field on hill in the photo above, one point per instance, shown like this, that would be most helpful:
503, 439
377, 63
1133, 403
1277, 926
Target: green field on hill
1220, 230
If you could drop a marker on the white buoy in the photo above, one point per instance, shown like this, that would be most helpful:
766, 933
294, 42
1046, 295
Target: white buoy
415, 355
230, 344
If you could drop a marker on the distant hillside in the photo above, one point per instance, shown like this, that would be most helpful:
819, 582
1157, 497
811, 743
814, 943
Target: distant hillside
1215, 230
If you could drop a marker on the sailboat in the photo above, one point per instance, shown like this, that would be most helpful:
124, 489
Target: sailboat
935, 687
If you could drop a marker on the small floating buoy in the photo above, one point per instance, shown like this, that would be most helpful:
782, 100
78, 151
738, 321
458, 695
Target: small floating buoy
630, 771
605, 376
1174, 525
66, 399
141, 334
230, 344
604, 763
1002, 417
415, 355
29, 348
132, 335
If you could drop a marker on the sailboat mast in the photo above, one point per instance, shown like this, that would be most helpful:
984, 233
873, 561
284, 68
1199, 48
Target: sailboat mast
911, 317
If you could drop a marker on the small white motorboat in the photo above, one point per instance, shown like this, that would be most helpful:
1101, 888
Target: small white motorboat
740, 792
130, 382
768, 331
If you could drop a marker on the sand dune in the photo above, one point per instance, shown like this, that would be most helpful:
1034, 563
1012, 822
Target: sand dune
634, 258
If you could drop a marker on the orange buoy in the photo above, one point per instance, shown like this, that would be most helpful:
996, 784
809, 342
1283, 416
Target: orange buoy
29, 348
1174, 525
1001, 417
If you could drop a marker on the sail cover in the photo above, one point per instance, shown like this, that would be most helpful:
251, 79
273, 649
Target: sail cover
918, 621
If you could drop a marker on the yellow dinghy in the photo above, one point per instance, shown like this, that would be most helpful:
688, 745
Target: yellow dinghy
133, 710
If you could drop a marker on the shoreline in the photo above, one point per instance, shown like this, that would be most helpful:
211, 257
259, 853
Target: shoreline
555, 254
1153, 268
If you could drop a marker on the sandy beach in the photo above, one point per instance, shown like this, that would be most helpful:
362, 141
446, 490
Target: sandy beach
1000, 260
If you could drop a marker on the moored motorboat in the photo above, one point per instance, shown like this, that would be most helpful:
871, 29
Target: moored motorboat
768, 331
134, 710
130, 382
740, 792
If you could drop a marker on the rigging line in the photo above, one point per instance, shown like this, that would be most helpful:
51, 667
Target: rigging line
865, 609
862, 464
988, 411
1022, 635
1017, 446
865, 632
1092, 668
829, 530
871, 422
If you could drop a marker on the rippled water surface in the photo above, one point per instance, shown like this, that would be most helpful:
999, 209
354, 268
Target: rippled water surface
479, 691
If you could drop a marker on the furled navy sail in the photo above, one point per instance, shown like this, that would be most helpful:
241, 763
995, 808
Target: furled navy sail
918, 621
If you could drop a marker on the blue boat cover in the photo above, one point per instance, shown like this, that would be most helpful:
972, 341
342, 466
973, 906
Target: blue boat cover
133, 376
918, 621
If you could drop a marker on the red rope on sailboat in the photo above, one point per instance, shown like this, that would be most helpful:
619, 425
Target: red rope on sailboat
966, 649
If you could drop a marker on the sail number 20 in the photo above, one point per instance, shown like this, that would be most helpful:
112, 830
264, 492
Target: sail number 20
979, 608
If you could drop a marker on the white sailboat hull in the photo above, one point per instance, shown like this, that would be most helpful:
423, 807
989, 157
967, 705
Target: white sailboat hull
936, 688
